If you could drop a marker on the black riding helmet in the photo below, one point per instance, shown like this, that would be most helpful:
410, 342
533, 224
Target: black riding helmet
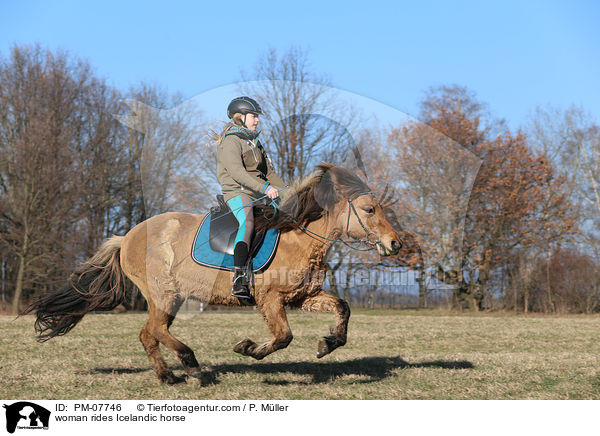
243, 105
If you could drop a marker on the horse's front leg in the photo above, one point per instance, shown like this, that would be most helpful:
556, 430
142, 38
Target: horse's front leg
324, 302
274, 313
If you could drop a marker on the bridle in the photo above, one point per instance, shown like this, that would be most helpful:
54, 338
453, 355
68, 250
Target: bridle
365, 239
367, 232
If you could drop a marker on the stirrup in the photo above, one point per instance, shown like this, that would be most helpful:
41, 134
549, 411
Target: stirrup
241, 284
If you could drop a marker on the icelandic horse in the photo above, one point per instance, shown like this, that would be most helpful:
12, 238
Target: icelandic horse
330, 204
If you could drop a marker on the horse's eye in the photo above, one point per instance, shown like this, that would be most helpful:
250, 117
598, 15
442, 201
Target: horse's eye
370, 210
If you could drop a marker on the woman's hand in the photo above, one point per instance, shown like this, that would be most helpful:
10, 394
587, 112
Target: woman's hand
272, 192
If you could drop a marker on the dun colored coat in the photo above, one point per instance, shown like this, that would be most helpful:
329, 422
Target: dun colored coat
155, 255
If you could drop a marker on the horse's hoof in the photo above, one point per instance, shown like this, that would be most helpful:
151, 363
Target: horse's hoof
242, 347
322, 348
172, 379
208, 378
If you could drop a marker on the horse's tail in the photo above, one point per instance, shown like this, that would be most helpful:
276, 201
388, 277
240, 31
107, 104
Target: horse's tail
99, 284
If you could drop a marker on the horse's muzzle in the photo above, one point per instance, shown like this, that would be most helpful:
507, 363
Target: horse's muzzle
396, 246
390, 248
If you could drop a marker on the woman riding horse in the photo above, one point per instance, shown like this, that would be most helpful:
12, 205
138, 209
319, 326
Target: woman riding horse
333, 203
245, 174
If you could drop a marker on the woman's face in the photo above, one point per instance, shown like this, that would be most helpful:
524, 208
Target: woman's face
251, 121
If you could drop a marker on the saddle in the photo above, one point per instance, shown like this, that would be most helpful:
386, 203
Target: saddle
213, 244
224, 227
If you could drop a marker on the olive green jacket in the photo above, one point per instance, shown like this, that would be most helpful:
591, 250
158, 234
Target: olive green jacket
244, 168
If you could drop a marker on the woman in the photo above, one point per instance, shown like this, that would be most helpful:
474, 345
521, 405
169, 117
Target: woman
245, 174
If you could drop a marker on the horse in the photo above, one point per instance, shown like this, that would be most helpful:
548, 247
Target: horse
330, 204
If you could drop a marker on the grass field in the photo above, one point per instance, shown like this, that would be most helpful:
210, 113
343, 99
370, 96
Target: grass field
389, 355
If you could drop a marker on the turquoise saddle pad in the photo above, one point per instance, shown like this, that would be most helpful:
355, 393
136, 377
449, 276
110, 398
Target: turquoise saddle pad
205, 256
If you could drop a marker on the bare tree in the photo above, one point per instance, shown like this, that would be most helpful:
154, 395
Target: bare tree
72, 175
300, 112
40, 119
100, 165
571, 140
166, 153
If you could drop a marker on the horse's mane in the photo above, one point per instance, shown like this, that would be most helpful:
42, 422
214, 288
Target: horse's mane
312, 198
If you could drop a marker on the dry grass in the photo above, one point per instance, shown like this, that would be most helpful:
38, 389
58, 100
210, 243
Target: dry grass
389, 355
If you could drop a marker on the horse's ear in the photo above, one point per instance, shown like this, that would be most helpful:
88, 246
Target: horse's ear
326, 193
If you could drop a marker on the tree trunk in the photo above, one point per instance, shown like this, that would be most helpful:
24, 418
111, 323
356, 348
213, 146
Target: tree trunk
476, 298
548, 283
458, 296
422, 289
3, 283
371, 300
21, 271
19, 285
347, 291
333, 285
515, 292
347, 283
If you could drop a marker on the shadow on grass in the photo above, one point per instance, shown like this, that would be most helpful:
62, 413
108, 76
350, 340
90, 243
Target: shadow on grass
375, 368
119, 370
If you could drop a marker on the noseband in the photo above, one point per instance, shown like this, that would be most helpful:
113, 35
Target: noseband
366, 239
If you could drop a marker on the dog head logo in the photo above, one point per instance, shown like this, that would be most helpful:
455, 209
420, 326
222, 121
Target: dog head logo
25, 415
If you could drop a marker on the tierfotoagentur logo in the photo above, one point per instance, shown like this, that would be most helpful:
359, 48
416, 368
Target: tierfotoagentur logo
26, 416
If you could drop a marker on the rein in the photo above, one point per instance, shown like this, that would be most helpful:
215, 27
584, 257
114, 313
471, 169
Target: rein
365, 239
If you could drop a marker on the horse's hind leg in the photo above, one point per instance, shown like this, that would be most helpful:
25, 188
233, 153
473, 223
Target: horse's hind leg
324, 302
151, 345
274, 313
157, 330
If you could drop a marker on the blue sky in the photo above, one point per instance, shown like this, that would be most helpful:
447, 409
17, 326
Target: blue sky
513, 54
